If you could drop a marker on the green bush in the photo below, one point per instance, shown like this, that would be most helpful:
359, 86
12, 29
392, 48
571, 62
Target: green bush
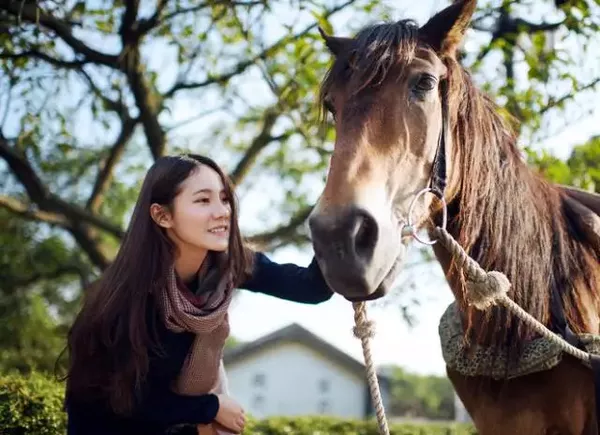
32, 405
331, 426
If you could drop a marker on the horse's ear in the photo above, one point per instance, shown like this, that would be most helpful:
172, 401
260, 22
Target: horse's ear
335, 44
445, 30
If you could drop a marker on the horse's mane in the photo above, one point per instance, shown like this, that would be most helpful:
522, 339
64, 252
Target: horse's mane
507, 217
511, 219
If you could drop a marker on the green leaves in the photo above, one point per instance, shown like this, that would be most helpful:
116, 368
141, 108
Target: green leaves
581, 169
536, 67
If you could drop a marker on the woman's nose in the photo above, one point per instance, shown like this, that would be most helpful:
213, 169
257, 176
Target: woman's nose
221, 210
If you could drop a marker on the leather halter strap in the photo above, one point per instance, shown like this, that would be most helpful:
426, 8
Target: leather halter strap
439, 177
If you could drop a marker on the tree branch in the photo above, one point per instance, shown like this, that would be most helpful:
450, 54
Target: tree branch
28, 211
556, 102
61, 270
282, 232
80, 233
106, 168
128, 22
146, 98
539, 27
263, 139
147, 24
44, 199
86, 241
59, 63
243, 65
31, 13
24, 172
148, 102
116, 106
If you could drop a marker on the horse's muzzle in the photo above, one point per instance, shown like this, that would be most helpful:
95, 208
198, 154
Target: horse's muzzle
344, 245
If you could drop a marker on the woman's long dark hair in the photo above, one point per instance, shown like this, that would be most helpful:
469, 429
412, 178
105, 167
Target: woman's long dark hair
109, 342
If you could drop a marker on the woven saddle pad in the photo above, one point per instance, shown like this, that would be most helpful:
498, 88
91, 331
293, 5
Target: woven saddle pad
537, 355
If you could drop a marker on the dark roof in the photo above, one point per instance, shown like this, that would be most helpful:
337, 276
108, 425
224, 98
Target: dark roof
294, 333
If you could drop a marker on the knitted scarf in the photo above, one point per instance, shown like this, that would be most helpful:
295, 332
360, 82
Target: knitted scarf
205, 315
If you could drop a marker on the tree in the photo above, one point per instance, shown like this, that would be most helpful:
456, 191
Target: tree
92, 92
538, 68
581, 169
418, 396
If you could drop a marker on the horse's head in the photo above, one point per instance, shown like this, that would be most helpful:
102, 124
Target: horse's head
384, 91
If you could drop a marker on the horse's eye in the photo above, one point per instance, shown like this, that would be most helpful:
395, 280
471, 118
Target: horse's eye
329, 106
425, 83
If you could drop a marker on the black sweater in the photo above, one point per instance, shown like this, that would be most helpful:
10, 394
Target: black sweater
160, 408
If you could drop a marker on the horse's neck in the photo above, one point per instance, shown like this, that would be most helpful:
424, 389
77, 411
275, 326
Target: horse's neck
587, 303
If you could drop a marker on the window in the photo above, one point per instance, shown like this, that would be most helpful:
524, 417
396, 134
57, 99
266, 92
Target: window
324, 385
259, 380
323, 407
258, 402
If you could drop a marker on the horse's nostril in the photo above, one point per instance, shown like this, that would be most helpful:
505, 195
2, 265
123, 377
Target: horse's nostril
365, 234
349, 237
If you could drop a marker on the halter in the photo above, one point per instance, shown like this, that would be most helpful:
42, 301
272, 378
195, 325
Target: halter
439, 180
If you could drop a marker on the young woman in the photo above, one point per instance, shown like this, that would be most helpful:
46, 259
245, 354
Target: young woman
145, 352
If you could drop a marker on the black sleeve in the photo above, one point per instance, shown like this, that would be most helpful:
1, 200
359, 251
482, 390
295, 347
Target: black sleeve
167, 408
288, 281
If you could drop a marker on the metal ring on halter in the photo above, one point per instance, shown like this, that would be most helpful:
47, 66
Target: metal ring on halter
410, 212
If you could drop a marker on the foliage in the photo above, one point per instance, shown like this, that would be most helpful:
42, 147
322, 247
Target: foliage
538, 69
414, 395
33, 404
326, 426
581, 169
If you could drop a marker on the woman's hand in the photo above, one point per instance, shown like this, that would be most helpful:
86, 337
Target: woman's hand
231, 415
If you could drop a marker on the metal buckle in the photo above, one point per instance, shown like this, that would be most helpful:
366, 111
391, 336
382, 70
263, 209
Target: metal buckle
409, 230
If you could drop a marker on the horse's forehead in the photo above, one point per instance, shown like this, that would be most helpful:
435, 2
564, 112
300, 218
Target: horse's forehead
426, 59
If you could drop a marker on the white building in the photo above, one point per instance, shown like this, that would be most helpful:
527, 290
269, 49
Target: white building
460, 412
292, 372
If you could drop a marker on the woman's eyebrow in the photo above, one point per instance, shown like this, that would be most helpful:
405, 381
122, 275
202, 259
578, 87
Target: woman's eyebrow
205, 190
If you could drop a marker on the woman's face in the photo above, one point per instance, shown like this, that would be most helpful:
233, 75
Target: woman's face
200, 214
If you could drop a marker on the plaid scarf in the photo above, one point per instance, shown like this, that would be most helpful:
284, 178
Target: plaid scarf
205, 315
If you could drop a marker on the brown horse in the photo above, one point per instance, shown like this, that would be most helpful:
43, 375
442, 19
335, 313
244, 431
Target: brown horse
408, 117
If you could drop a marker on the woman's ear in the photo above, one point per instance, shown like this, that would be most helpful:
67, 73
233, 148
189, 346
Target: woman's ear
161, 216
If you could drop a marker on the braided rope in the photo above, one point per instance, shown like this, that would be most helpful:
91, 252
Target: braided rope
364, 330
485, 289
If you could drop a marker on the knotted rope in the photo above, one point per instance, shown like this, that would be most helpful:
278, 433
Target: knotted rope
484, 289
364, 330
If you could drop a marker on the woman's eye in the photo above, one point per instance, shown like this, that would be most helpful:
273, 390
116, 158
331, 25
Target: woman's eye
202, 200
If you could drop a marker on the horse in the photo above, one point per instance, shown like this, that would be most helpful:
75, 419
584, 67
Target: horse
417, 141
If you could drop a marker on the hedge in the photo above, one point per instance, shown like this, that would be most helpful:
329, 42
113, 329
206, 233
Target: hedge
33, 405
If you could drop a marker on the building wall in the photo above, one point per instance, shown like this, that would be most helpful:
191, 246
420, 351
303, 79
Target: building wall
291, 379
460, 412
